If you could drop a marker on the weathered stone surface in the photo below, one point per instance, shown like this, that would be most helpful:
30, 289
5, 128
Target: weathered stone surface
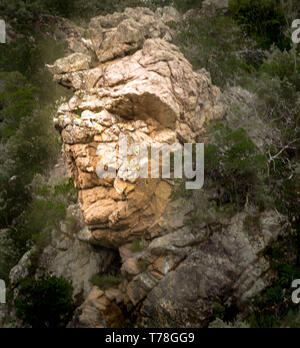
150, 96
123, 33
97, 312
21, 270
74, 62
168, 14
226, 267
145, 90
75, 260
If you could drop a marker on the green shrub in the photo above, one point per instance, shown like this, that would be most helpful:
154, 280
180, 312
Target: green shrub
216, 44
277, 84
283, 65
66, 190
219, 311
274, 305
45, 303
291, 320
62, 8
29, 143
25, 13
17, 99
47, 210
262, 19
233, 162
261, 321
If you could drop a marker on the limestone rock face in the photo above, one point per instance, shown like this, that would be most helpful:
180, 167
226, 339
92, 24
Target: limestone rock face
74, 62
151, 96
168, 14
75, 259
225, 265
143, 90
98, 311
123, 33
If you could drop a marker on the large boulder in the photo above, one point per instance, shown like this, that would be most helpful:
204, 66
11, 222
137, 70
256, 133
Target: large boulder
148, 97
143, 90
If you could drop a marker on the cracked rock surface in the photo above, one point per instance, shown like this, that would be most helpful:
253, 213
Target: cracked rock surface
132, 83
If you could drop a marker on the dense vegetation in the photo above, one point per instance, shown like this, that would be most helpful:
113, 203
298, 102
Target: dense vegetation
45, 303
250, 47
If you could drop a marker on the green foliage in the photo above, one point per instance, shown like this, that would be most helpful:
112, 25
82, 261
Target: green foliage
46, 207
283, 65
216, 44
66, 190
219, 311
45, 303
29, 144
15, 57
105, 281
275, 305
277, 83
17, 98
263, 19
291, 320
47, 210
234, 162
44, 215
62, 8
25, 13
260, 321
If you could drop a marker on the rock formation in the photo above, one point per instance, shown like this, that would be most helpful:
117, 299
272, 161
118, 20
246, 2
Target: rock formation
132, 82
150, 96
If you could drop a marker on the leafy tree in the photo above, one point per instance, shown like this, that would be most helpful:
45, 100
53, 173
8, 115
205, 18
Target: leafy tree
17, 100
45, 303
263, 19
